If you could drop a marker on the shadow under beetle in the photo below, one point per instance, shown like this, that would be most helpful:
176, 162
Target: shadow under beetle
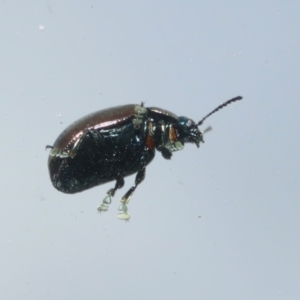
116, 142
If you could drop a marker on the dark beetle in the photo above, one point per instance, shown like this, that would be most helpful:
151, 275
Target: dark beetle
116, 142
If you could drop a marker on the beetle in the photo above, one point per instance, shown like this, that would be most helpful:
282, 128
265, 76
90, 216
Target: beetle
113, 143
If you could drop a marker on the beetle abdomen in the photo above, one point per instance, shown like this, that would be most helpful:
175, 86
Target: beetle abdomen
70, 175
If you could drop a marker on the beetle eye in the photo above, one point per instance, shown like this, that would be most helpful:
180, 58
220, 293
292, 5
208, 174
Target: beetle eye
189, 123
185, 124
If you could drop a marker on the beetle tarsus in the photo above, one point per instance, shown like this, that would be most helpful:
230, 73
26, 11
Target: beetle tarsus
105, 203
123, 215
108, 199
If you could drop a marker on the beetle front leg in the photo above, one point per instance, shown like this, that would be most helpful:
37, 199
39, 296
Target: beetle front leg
165, 152
123, 214
107, 200
163, 139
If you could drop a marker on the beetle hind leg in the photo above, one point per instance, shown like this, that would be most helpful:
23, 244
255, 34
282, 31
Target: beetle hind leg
107, 200
123, 214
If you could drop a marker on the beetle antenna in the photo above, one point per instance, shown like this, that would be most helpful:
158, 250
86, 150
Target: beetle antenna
219, 107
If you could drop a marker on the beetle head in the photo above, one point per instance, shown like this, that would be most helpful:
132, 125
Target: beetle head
188, 131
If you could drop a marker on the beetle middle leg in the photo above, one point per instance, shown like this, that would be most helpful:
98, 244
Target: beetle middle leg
163, 136
123, 214
107, 200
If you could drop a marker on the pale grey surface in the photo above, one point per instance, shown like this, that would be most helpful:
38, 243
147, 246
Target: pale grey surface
63, 59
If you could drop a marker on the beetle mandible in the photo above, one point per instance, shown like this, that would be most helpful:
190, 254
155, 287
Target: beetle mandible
113, 143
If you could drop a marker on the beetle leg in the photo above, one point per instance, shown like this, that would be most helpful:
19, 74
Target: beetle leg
165, 152
123, 214
107, 200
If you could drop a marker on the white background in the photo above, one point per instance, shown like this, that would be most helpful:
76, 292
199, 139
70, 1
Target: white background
219, 222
